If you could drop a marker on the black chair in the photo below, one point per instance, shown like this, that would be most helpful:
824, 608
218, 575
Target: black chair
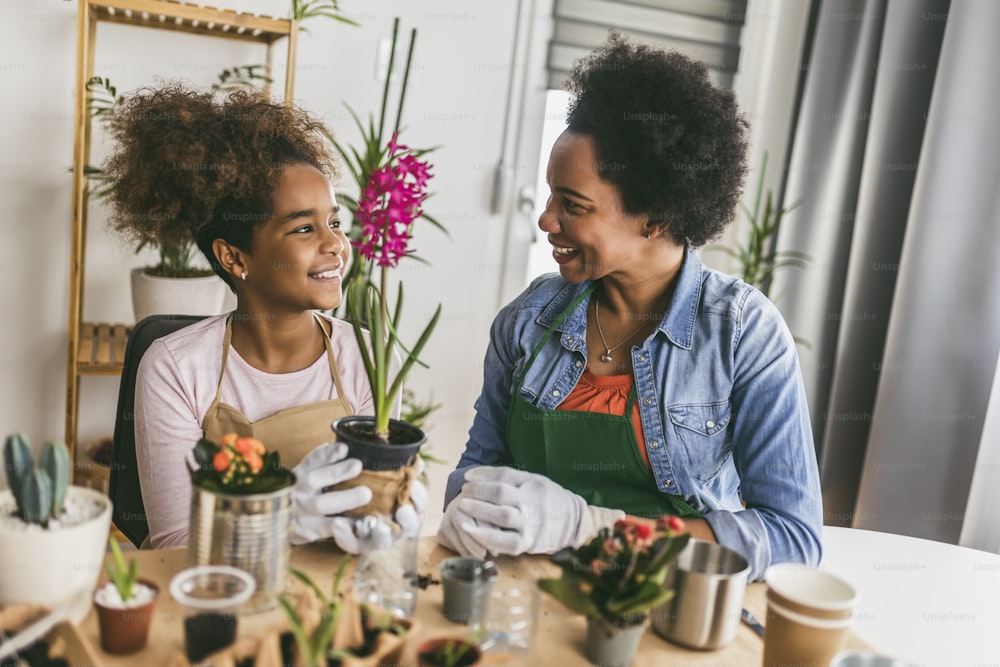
128, 514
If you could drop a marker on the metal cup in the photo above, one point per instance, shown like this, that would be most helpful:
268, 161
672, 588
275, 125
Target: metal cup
250, 531
709, 581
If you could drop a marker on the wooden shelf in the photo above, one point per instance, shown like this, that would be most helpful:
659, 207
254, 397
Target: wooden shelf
101, 348
191, 18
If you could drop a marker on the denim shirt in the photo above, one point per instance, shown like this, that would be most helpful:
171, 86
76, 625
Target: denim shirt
720, 397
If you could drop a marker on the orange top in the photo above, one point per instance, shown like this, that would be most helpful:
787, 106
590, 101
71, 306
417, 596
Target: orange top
606, 395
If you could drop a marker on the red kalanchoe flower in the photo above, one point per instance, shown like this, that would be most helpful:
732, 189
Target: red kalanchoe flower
644, 532
676, 524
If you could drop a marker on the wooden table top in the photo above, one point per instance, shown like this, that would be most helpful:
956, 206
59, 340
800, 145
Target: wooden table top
559, 638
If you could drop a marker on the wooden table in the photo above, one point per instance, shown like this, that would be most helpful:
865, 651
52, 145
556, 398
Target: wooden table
558, 640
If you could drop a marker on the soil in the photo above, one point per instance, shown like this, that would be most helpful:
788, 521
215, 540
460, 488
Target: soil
365, 430
207, 633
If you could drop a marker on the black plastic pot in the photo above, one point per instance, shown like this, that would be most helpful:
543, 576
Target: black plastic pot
358, 433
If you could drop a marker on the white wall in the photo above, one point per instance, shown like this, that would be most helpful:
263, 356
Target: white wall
456, 99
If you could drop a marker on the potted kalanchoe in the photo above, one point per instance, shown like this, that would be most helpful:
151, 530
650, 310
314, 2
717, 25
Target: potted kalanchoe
392, 179
241, 512
614, 580
52, 535
124, 605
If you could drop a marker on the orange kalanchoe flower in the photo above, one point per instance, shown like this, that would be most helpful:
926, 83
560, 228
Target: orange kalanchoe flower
238, 464
222, 460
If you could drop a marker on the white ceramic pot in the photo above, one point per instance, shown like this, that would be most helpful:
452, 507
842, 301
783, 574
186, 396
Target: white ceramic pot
56, 566
153, 295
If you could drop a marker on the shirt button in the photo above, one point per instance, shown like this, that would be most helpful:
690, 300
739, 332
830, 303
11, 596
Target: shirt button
647, 401
654, 444
579, 363
555, 392
569, 339
710, 424
641, 357
668, 483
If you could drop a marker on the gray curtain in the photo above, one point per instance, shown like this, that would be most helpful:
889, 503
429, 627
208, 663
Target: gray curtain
894, 161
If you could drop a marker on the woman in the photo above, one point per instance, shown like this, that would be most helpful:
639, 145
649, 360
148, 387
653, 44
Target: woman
250, 178
637, 381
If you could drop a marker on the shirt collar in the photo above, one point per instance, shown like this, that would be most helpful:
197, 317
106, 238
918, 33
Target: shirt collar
678, 325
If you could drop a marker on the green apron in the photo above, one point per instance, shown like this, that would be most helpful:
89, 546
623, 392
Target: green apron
593, 455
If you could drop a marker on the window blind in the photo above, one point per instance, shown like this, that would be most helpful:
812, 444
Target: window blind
705, 30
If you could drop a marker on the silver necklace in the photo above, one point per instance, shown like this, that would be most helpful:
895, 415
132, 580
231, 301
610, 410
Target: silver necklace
606, 357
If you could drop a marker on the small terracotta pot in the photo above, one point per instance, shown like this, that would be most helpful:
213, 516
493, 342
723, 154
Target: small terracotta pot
425, 652
125, 629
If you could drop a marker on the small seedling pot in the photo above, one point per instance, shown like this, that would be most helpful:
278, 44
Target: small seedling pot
124, 627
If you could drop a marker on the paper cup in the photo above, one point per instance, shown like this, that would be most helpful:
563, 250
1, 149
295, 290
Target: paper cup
809, 612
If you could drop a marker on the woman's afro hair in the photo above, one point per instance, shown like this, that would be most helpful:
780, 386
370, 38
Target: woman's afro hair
673, 144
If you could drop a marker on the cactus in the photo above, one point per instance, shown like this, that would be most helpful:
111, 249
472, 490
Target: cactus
54, 460
38, 491
17, 462
36, 497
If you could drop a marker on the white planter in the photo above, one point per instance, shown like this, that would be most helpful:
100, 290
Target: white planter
56, 566
153, 295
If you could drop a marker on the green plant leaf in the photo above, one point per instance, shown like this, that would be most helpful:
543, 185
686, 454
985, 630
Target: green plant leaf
568, 592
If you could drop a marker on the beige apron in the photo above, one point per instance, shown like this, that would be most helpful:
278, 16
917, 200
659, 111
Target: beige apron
293, 432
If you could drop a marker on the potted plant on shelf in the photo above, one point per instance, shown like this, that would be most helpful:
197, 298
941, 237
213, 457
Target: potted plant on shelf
336, 631
241, 512
124, 605
52, 535
614, 580
175, 284
393, 183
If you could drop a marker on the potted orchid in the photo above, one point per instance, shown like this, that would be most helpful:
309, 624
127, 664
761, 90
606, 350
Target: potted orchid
392, 179
241, 512
614, 580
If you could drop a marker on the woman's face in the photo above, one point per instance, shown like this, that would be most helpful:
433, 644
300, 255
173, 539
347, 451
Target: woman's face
300, 254
590, 233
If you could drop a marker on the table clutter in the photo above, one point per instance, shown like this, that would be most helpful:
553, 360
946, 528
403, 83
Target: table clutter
557, 639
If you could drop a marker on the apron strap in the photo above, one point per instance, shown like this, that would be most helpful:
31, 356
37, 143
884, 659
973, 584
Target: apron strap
334, 372
226, 340
552, 327
331, 358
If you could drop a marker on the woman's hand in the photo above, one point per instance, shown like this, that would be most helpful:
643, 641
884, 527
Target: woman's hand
504, 511
313, 509
407, 517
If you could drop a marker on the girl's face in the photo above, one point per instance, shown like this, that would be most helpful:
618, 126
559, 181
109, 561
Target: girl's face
300, 254
590, 233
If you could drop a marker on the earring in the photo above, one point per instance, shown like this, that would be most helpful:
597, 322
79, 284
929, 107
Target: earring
243, 275
647, 235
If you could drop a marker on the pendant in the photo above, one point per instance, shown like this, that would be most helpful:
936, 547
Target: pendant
606, 357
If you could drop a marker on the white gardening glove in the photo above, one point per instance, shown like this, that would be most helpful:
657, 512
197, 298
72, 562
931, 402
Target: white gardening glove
517, 512
453, 532
407, 516
312, 509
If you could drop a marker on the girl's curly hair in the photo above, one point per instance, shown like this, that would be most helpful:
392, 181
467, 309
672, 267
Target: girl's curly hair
672, 143
185, 165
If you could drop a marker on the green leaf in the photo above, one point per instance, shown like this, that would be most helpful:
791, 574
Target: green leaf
568, 592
